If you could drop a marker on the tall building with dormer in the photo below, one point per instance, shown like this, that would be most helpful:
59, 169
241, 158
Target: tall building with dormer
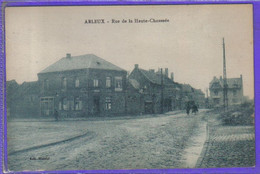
234, 92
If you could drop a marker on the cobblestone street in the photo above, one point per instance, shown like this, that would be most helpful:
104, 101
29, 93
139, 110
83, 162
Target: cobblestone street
228, 146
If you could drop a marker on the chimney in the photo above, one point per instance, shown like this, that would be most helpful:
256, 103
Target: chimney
241, 76
151, 70
136, 66
172, 76
68, 55
166, 72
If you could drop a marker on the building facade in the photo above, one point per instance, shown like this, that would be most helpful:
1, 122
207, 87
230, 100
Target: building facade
152, 92
22, 100
234, 91
87, 85
84, 85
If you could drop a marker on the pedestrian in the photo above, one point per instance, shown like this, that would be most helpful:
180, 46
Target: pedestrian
56, 115
188, 109
194, 109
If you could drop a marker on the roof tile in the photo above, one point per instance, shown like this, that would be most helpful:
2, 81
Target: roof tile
87, 61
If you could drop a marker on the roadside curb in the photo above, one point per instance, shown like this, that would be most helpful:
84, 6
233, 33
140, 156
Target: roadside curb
204, 150
50, 144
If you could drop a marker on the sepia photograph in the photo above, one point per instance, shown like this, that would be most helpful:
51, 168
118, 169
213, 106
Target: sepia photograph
129, 87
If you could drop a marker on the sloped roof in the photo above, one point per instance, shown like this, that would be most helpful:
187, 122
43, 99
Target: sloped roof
234, 82
231, 82
198, 91
81, 62
11, 84
11, 88
187, 88
156, 78
134, 83
28, 88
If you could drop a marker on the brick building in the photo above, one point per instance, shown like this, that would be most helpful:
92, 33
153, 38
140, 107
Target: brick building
151, 92
85, 85
88, 85
234, 93
22, 100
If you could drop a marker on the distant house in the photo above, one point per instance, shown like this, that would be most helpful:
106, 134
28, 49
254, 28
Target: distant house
190, 94
234, 93
22, 100
199, 98
85, 85
152, 92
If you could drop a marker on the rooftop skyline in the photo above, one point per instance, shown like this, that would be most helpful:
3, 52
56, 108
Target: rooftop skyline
189, 45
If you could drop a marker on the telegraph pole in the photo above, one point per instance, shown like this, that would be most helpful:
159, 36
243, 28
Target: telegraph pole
225, 87
162, 97
207, 99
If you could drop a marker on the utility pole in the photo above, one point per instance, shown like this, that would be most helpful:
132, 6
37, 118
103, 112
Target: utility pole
225, 87
207, 97
162, 97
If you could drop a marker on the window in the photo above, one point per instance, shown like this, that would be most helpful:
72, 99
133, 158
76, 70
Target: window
47, 105
71, 104
95, 82
108, 103
77, 82
216, 92
78, 104
65, 104
108, 82
64, 83
118, 83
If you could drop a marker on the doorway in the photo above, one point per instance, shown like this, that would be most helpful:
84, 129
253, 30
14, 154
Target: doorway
96, 105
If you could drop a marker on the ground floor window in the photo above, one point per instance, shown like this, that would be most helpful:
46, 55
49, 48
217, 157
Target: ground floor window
70, 104
47, 106
78, 104
65, 104
108, 103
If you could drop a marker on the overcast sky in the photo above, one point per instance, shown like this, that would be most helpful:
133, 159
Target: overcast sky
190, 44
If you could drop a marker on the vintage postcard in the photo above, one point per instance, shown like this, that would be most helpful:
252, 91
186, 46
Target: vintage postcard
129, 87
